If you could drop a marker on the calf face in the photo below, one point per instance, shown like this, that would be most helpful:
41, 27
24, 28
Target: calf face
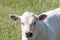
28, 22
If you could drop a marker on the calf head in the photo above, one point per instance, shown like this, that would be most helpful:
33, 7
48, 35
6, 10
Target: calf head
28, 22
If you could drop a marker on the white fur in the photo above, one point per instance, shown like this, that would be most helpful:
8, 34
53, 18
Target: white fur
48, 29
53, 24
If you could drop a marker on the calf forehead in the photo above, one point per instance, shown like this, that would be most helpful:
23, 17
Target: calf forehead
28, 17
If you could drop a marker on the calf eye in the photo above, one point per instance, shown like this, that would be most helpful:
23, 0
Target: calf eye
23, 23
34, 23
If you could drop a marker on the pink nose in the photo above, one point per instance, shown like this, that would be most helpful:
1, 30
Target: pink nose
29, 34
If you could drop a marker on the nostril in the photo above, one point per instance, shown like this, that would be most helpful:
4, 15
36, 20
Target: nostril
26, 33
29, 34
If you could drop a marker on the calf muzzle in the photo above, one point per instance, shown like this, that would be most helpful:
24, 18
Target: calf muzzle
29, 34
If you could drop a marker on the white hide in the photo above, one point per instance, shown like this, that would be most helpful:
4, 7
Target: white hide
53, 24
47, 29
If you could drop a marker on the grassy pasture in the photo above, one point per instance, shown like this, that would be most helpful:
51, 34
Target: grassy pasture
11, 30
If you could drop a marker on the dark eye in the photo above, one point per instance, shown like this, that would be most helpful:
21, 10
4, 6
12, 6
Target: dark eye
23, 23
34, 23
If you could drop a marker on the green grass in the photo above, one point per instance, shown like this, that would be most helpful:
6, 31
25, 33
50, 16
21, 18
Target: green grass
10, 30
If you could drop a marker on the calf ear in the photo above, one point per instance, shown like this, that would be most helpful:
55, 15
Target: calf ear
15, 17
42, 17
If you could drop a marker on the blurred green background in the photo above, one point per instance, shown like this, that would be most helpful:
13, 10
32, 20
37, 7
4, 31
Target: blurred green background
11, 30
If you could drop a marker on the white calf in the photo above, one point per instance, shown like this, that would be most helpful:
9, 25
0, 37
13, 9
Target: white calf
44, 27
